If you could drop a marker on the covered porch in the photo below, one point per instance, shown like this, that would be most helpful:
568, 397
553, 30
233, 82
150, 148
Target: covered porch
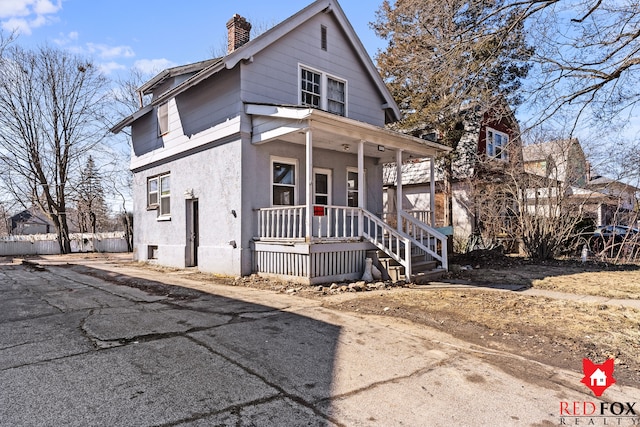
318, 241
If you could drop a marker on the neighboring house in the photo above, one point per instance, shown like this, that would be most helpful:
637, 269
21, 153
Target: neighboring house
623, 199
31, 221
489, 150
561, 160
269, 159
605, 201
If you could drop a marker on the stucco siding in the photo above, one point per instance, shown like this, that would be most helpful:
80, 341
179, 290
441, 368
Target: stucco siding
273, 76
214, 178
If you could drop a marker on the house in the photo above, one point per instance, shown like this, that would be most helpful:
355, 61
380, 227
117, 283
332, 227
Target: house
623, 201
269, 160
602, 200
561, 160
30, 221
489, 150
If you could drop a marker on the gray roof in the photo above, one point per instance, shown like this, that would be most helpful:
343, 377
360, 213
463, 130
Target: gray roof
251, 48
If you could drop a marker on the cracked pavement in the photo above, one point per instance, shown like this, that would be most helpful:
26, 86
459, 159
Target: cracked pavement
79, 350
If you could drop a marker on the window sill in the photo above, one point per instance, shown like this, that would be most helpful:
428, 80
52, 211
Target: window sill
164, 218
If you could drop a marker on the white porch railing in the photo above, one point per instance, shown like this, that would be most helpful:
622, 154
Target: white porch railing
426, 238
289, 223
335, 222
340, 223
389, 240
282, 223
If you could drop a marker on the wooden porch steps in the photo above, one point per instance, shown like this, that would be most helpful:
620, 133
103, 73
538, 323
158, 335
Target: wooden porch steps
423, 270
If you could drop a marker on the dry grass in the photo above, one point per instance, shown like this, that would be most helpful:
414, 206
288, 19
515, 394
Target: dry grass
610, 284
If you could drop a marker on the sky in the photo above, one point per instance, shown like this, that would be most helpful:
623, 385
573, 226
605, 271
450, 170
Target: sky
154, 35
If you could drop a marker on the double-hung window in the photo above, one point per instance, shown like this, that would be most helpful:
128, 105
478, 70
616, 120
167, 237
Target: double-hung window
159, 194
319, 90
497, 144
283, 182
336, 97
310, 88
163, 119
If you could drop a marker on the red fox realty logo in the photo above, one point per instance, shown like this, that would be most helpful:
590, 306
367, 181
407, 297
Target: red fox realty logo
597, 377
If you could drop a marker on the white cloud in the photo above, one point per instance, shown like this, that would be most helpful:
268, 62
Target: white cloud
46, 7
13, 8
25, 15
109, 67
65, 39
106, 52
153, 66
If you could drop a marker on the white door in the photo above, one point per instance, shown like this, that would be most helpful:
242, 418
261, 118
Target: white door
322, 188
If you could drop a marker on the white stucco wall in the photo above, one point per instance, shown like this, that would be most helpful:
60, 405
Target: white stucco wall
215, 179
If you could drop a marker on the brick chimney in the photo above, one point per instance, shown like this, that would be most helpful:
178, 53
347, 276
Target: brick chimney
239, 31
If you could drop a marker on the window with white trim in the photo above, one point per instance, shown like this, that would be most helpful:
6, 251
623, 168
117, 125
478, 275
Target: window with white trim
159, 194
283, 182
353, 187
497, 144
336, 101
310, 88
322, 91
163, 119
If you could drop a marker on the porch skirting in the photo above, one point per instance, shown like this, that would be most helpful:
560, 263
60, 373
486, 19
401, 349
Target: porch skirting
310, 263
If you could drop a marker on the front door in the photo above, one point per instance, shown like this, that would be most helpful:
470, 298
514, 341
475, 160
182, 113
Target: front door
321, 198
192, 233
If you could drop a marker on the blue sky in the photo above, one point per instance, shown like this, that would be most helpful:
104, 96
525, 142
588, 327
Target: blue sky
153, 35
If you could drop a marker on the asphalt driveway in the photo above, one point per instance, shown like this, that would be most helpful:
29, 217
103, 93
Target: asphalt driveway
79, 349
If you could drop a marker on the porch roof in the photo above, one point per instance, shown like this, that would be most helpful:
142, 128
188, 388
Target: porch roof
333, 132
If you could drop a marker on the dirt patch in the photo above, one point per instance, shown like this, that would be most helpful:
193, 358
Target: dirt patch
552, 331
555, 332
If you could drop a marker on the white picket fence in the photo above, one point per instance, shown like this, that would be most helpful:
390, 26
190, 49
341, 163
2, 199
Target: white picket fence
46, 244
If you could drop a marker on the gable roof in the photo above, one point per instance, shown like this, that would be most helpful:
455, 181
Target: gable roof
557, 149
180, 70
252, 47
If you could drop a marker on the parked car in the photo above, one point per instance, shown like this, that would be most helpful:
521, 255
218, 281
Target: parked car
610, 236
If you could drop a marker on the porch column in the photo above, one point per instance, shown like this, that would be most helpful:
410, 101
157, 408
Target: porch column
309, 180
399, 188
360, 186
432, 188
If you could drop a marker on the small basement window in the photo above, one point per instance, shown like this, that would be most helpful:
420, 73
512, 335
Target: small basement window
152, 252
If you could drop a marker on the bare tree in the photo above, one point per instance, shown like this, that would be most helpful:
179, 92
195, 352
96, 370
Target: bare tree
52, 106
587, 56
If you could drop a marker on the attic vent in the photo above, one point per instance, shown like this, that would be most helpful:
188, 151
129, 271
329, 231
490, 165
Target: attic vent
323, 37
238, 31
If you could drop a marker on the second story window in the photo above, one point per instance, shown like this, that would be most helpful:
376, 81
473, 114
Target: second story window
335, 97
319, 90
497, 144
310, 88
